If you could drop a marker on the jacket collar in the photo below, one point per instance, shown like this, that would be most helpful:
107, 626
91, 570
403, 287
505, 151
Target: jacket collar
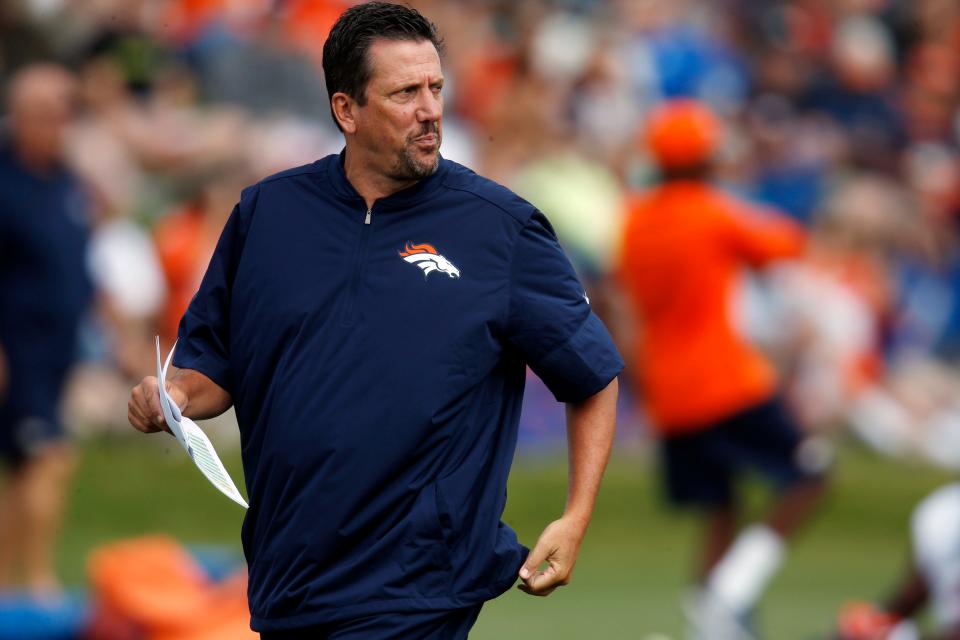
402, 199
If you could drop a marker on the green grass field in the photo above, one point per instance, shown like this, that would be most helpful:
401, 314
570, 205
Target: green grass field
633, 565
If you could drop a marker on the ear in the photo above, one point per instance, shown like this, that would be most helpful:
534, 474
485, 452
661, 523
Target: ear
345, 111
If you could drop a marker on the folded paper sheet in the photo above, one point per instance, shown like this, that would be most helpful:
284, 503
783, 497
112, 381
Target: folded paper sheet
193, 439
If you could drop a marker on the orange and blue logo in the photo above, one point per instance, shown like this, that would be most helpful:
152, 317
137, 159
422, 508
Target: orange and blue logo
428, 259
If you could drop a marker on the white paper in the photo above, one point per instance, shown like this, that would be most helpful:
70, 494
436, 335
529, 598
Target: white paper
193, 439
166, 404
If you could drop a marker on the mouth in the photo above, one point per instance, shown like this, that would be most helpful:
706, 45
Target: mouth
427, 141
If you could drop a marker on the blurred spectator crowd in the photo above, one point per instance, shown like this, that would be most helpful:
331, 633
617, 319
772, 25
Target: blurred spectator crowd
843, 113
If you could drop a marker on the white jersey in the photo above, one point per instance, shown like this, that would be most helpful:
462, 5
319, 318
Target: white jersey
935, 532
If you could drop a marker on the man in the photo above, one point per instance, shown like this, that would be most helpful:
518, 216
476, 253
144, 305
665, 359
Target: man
710, 395
369, 316
44, 290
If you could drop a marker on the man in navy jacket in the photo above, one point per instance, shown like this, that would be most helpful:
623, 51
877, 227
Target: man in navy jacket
370, 316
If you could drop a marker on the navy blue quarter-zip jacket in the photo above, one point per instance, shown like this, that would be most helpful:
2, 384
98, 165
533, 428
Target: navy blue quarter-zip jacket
376, 362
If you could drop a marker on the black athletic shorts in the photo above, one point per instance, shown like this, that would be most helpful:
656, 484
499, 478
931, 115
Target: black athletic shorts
700, 467
29, 410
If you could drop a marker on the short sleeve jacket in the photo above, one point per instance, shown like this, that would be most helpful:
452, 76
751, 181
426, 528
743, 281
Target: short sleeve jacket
376, 361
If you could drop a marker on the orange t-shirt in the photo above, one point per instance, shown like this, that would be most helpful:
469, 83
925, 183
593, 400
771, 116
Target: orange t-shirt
684, 246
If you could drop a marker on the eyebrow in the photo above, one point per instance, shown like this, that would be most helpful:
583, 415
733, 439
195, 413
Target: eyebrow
411, 82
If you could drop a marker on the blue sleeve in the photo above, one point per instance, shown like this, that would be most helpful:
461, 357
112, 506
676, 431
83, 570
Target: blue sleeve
203, 338
550, 321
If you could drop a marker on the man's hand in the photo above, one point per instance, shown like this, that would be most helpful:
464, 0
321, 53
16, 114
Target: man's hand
197, 396
143, 409
558, 546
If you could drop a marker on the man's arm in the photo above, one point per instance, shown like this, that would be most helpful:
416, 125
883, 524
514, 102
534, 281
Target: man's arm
196, 395
910, 596
763, 235
590, 429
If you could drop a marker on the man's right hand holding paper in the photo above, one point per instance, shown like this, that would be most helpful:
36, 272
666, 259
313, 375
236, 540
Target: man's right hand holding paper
143, 409
196, 395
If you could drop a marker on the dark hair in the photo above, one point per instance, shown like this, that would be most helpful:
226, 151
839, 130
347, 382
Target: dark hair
346, 66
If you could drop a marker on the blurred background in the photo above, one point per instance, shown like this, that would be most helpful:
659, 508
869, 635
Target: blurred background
844, 114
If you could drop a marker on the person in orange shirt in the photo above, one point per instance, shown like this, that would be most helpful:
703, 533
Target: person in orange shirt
711, 396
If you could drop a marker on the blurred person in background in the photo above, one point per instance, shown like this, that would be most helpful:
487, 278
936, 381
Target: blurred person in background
859, 92
914, 408
378, 392
931, 579
44, 291
266, 73
833, 307
711, 396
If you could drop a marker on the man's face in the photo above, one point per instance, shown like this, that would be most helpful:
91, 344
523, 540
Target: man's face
40, 116
401, 122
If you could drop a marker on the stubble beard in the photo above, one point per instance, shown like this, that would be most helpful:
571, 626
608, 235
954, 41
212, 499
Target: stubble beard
409, 166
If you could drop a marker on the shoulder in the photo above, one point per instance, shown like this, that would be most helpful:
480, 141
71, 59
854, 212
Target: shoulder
943, 505
935, 525
739, 204
316, 169
485, 192
278, 182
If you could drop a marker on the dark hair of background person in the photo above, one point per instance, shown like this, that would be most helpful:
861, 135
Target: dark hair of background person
346, 66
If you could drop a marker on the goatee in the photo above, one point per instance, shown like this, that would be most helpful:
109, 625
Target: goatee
409, 166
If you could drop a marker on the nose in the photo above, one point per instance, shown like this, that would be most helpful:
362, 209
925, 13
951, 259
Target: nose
430, 108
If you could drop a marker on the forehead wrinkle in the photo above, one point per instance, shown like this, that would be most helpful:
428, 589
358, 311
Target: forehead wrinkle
403, 66
405, 73
417, 77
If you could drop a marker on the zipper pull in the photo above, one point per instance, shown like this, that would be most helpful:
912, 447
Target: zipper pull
369, 215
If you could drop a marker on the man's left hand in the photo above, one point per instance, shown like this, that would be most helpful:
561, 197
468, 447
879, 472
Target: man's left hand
558, 546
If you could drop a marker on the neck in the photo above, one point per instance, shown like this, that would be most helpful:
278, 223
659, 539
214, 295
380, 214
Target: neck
370, 183
37, 162
700, 172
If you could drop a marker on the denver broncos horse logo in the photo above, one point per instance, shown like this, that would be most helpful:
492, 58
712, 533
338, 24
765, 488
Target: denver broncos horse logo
427, 258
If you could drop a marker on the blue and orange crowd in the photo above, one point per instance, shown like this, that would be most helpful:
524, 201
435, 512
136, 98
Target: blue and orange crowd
841, 113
